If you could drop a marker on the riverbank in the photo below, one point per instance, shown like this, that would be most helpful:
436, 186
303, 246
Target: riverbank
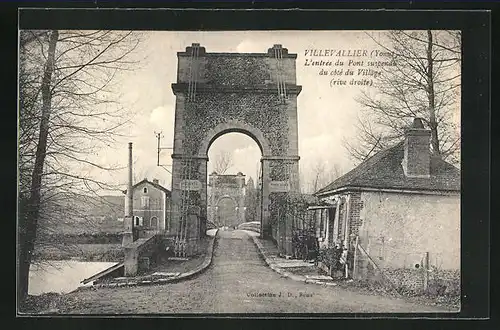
49, 303
80, 252
41, 304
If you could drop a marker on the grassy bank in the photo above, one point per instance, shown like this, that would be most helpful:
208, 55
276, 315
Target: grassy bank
84, 238
82, 252
44, 303
451, 299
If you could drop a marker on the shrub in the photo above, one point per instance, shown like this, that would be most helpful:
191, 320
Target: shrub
444, 282
305, 244
331, 257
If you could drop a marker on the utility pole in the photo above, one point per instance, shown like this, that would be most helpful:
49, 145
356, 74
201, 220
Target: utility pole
159, 148
158, 137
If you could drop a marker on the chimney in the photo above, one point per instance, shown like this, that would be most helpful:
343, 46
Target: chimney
155, 181
416, 160
130, 198
128, 234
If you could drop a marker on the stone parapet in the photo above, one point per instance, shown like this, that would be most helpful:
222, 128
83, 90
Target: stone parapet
158, 280
136, 252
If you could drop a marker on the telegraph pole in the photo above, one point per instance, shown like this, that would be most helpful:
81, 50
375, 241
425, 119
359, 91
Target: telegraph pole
158, 137
159, 148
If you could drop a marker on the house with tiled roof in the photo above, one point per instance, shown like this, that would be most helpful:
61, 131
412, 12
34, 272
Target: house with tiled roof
151, 207
400, 205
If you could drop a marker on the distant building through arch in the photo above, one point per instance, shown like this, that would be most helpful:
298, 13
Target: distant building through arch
226, 186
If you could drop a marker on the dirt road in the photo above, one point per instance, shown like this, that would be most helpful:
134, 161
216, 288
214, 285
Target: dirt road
238, 281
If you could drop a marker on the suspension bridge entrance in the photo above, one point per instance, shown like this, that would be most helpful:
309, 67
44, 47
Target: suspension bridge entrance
218, 93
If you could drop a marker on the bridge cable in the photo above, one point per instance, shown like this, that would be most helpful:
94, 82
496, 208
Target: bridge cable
182, 230
186, 209
278, 54
181, 213
178, 239
277, 72
195, 71
281, 74
190, 79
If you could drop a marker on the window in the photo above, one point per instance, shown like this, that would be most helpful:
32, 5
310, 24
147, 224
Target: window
154, 222
145, 190
144, 201
138, 221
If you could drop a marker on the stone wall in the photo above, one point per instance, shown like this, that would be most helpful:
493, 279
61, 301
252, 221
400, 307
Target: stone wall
355, 207
264, 112
235, 69
396, 229
142, 254
399, 228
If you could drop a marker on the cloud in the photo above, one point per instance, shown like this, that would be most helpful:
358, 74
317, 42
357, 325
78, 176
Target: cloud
162, 119
161, 116
247, 160
248, 46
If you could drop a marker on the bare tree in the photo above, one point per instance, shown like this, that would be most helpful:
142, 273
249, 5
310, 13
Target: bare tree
67, 113
223, 162
423, 81
320, 174
140, 174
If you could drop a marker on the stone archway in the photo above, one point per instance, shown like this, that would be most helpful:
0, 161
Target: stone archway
222, 186
222, 218
217, 93
235, 126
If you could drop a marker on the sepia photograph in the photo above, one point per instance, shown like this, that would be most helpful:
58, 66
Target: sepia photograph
221, 172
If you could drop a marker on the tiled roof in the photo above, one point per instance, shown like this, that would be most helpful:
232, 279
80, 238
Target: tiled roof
384, 171
151, 183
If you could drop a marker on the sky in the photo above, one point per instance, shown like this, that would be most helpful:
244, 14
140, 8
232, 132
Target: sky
326, 114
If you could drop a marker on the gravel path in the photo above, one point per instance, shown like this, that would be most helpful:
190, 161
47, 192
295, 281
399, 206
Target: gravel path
238, 281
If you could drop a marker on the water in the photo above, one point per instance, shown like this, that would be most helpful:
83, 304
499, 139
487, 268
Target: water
62, 276
211, 232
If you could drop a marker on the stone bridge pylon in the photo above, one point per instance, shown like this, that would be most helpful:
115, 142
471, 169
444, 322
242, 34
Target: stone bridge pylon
218, 93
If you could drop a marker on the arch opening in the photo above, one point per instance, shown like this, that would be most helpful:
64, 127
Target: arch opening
220, 199
233, 179
235, 127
